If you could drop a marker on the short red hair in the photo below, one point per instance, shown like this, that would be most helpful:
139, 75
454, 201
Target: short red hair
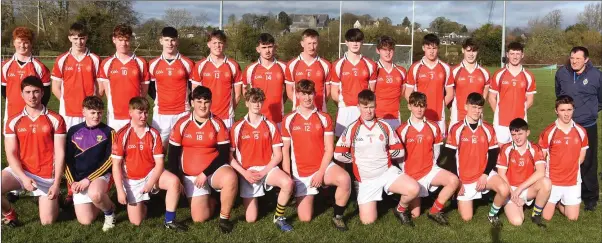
23, 33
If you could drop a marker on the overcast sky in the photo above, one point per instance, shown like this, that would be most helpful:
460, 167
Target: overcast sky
471, 13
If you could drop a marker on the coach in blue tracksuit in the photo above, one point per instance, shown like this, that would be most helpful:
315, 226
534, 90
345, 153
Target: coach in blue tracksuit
583, 82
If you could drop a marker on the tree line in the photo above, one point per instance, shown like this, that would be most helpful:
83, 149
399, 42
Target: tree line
545, 40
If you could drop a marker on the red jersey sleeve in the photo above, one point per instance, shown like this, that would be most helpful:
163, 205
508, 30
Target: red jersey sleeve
453, 137
538, 157
175, 136
329, 126
237, 75
335, 78
117, 150
276, 138
493, 82
158, 148
543, 140
197, 76
410, 81
9, 128
394, 141
222, 135
102, 74
145, 72
487, 75
374, 73
328, 77
60, 129
57, 73
288, 78
244, 77
44, 73
438, 139
492, 137
233, 135
502, 158
2, 77
531, 84
584, 140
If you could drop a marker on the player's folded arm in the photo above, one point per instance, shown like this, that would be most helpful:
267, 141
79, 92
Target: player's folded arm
342, 154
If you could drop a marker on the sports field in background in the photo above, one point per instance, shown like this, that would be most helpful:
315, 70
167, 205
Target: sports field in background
385, 229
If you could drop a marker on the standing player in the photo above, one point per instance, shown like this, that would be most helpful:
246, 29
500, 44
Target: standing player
432, 77
308, 136
267, 74
564, 143
35, 151
474, 142
422, 140
221, 75
256, 153
389, 83
351, 74
123, 77
199, 150
468, 77
88, 165
370, 144
138, 168
514, 87
522, 165
169, 75
74, 76
308, 65
20, 66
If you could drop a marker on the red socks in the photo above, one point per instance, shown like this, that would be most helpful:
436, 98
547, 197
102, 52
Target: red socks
437, 207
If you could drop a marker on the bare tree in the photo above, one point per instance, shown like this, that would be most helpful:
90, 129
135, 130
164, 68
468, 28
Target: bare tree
592, 16
554, 19
178, 18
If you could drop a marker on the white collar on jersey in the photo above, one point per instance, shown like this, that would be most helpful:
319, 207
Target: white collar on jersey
29, 59
176, 58
311, 61
131, 58
261, 119
479, 123
410, 120
517, 148
86, 53
271, 65
44, 112
213, 61
380, 65
361, 57
298, 111
476, 66
572, 124
431, 67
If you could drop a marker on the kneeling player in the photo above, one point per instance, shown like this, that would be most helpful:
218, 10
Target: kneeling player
474, 141
256, 153
88, 162
422, 140
521, 164
35, 151
564, 142
308, 136
138, 167
370, 144
199, 148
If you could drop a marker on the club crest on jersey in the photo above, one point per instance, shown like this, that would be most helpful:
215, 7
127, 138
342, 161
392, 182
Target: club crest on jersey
585, 81
98, 138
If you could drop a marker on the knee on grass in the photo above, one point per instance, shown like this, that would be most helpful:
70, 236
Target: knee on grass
516, 221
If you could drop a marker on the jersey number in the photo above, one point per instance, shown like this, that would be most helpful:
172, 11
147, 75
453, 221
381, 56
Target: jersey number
199, 137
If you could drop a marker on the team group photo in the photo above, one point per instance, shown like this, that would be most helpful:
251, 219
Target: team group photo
245, 132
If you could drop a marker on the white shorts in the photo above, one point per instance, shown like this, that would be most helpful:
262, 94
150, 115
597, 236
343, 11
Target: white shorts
502, 134
394, 123
42, 185
164, 123
72, 121
425, 182
82, 197
303, 184
116, 124
470, 190
345, 116
371, 190
192, 191
523, 196
567, 195
258, 189
133, 187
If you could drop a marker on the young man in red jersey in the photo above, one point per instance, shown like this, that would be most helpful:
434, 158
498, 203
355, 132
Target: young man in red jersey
422, 140
564, 143
267, 74
432, 77
256, 152
74, 76
351, 74
522, 165
199, 150
170, 74
123, 77
468, 77
221, 75
308, 137
20, 66
138, 168
308, 65
511, 92
35, 151
474, 143
370, 144
390, 80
